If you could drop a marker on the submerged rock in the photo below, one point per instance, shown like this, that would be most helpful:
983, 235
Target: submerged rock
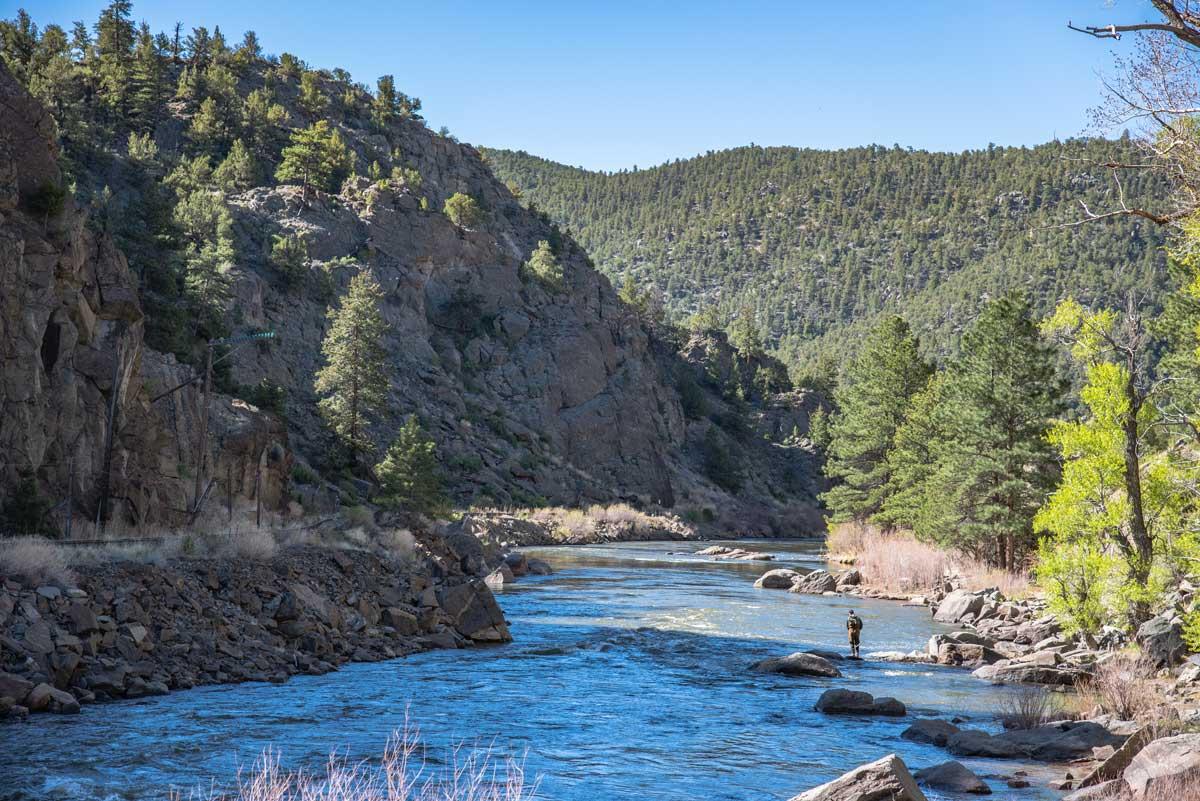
885, 779
798, 664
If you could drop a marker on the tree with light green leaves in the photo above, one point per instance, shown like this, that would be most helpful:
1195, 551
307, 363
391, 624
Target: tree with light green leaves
871, 404
317, 157
1119, 493
312, 97
352, 384
409, 475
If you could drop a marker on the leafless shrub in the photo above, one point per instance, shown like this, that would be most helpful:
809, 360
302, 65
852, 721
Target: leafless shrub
250, 542
1028, 708
1123, 685
1174, 788
36, 560
401, 775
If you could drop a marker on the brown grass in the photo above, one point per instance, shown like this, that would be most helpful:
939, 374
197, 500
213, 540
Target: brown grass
401, 775
580, 524
899, 562
36, 560
1175, 788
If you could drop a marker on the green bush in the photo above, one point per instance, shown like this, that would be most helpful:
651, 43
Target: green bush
46, 201
409, 475
463, 210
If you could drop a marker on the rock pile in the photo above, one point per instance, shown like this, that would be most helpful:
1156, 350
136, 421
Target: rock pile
128, 630
735, 554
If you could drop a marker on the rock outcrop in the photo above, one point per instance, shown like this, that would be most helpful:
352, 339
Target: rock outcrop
74, 357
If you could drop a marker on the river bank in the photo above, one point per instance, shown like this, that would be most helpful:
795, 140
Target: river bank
126, 629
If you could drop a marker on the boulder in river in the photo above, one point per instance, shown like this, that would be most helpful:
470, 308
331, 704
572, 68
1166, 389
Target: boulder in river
1055, 742
954, 777
735, 554
780, 578
799, 664
815, 583
853, 702
1010, 672
886, 778
930, 730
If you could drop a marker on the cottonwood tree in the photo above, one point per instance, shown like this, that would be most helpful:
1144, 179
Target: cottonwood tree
353, 384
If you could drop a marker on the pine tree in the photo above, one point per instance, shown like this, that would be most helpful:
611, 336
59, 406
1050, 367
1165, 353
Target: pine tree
238, 171
317, 157
463, 210
1001, 398
352, 382
544, 267
409, 475
912, 460
872, 402
312, 98
289, 255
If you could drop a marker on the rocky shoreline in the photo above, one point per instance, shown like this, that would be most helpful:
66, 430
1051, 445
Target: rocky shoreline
125, 630
1007, 641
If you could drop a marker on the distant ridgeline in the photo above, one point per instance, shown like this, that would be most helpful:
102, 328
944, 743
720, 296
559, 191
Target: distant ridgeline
814, 245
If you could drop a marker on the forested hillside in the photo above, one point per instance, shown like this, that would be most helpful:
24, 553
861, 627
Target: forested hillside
806, 242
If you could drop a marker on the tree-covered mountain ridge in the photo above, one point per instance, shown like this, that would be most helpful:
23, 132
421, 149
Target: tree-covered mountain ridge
815, 245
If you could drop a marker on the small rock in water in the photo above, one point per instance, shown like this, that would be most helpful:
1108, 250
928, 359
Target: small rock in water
799, 664
954, 777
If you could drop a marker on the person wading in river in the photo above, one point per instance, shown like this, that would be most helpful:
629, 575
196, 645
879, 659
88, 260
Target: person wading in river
853, 627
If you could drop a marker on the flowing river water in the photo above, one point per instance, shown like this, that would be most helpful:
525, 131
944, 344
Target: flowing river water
628, 680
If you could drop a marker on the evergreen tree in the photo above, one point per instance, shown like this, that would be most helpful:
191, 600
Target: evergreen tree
912, 460
1003, 393
237, 172
352, 383
463, 210
317, 157
544, 267
409, 475
289, 255
872, 402
312, 98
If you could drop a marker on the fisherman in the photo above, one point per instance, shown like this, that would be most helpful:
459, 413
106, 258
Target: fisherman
853, 627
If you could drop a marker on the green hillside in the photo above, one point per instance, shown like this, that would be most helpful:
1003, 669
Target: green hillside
811, 242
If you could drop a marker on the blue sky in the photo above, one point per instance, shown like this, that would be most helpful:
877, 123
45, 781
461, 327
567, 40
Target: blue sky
611, 84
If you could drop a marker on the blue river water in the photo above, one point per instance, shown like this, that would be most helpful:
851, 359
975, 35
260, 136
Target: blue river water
628, 680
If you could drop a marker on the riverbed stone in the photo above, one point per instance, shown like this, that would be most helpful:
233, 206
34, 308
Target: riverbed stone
814, 583
841, 701
886, 779
777, 579
798, 664
931, 731
954, 777
45, 698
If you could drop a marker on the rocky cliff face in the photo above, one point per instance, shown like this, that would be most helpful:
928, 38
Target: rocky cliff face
533, 394
73, 357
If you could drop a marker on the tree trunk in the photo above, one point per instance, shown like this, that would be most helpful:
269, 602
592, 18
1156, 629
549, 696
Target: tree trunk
1143, 547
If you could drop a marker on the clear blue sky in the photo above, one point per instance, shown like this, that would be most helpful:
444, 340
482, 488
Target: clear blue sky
609, 84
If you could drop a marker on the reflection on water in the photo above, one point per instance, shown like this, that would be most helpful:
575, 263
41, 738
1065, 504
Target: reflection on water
628, 680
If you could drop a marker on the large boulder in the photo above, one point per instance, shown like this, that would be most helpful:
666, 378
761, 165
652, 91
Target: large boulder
473, 611
1161, 639
975, 743
953, 777
1163, 761
780, 578
1114, 766
853, 702
957, 606
1008, 672
799, 664
815, 583
885, 779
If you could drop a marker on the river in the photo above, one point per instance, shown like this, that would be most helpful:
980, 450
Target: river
628, 680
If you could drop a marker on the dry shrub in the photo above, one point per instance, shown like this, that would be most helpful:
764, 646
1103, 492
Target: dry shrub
574, 523
397, 543
1029, 707
401, 775
849, 540
253, 543
35, 559
1123, 685
359, 516
620, 514
901, 563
